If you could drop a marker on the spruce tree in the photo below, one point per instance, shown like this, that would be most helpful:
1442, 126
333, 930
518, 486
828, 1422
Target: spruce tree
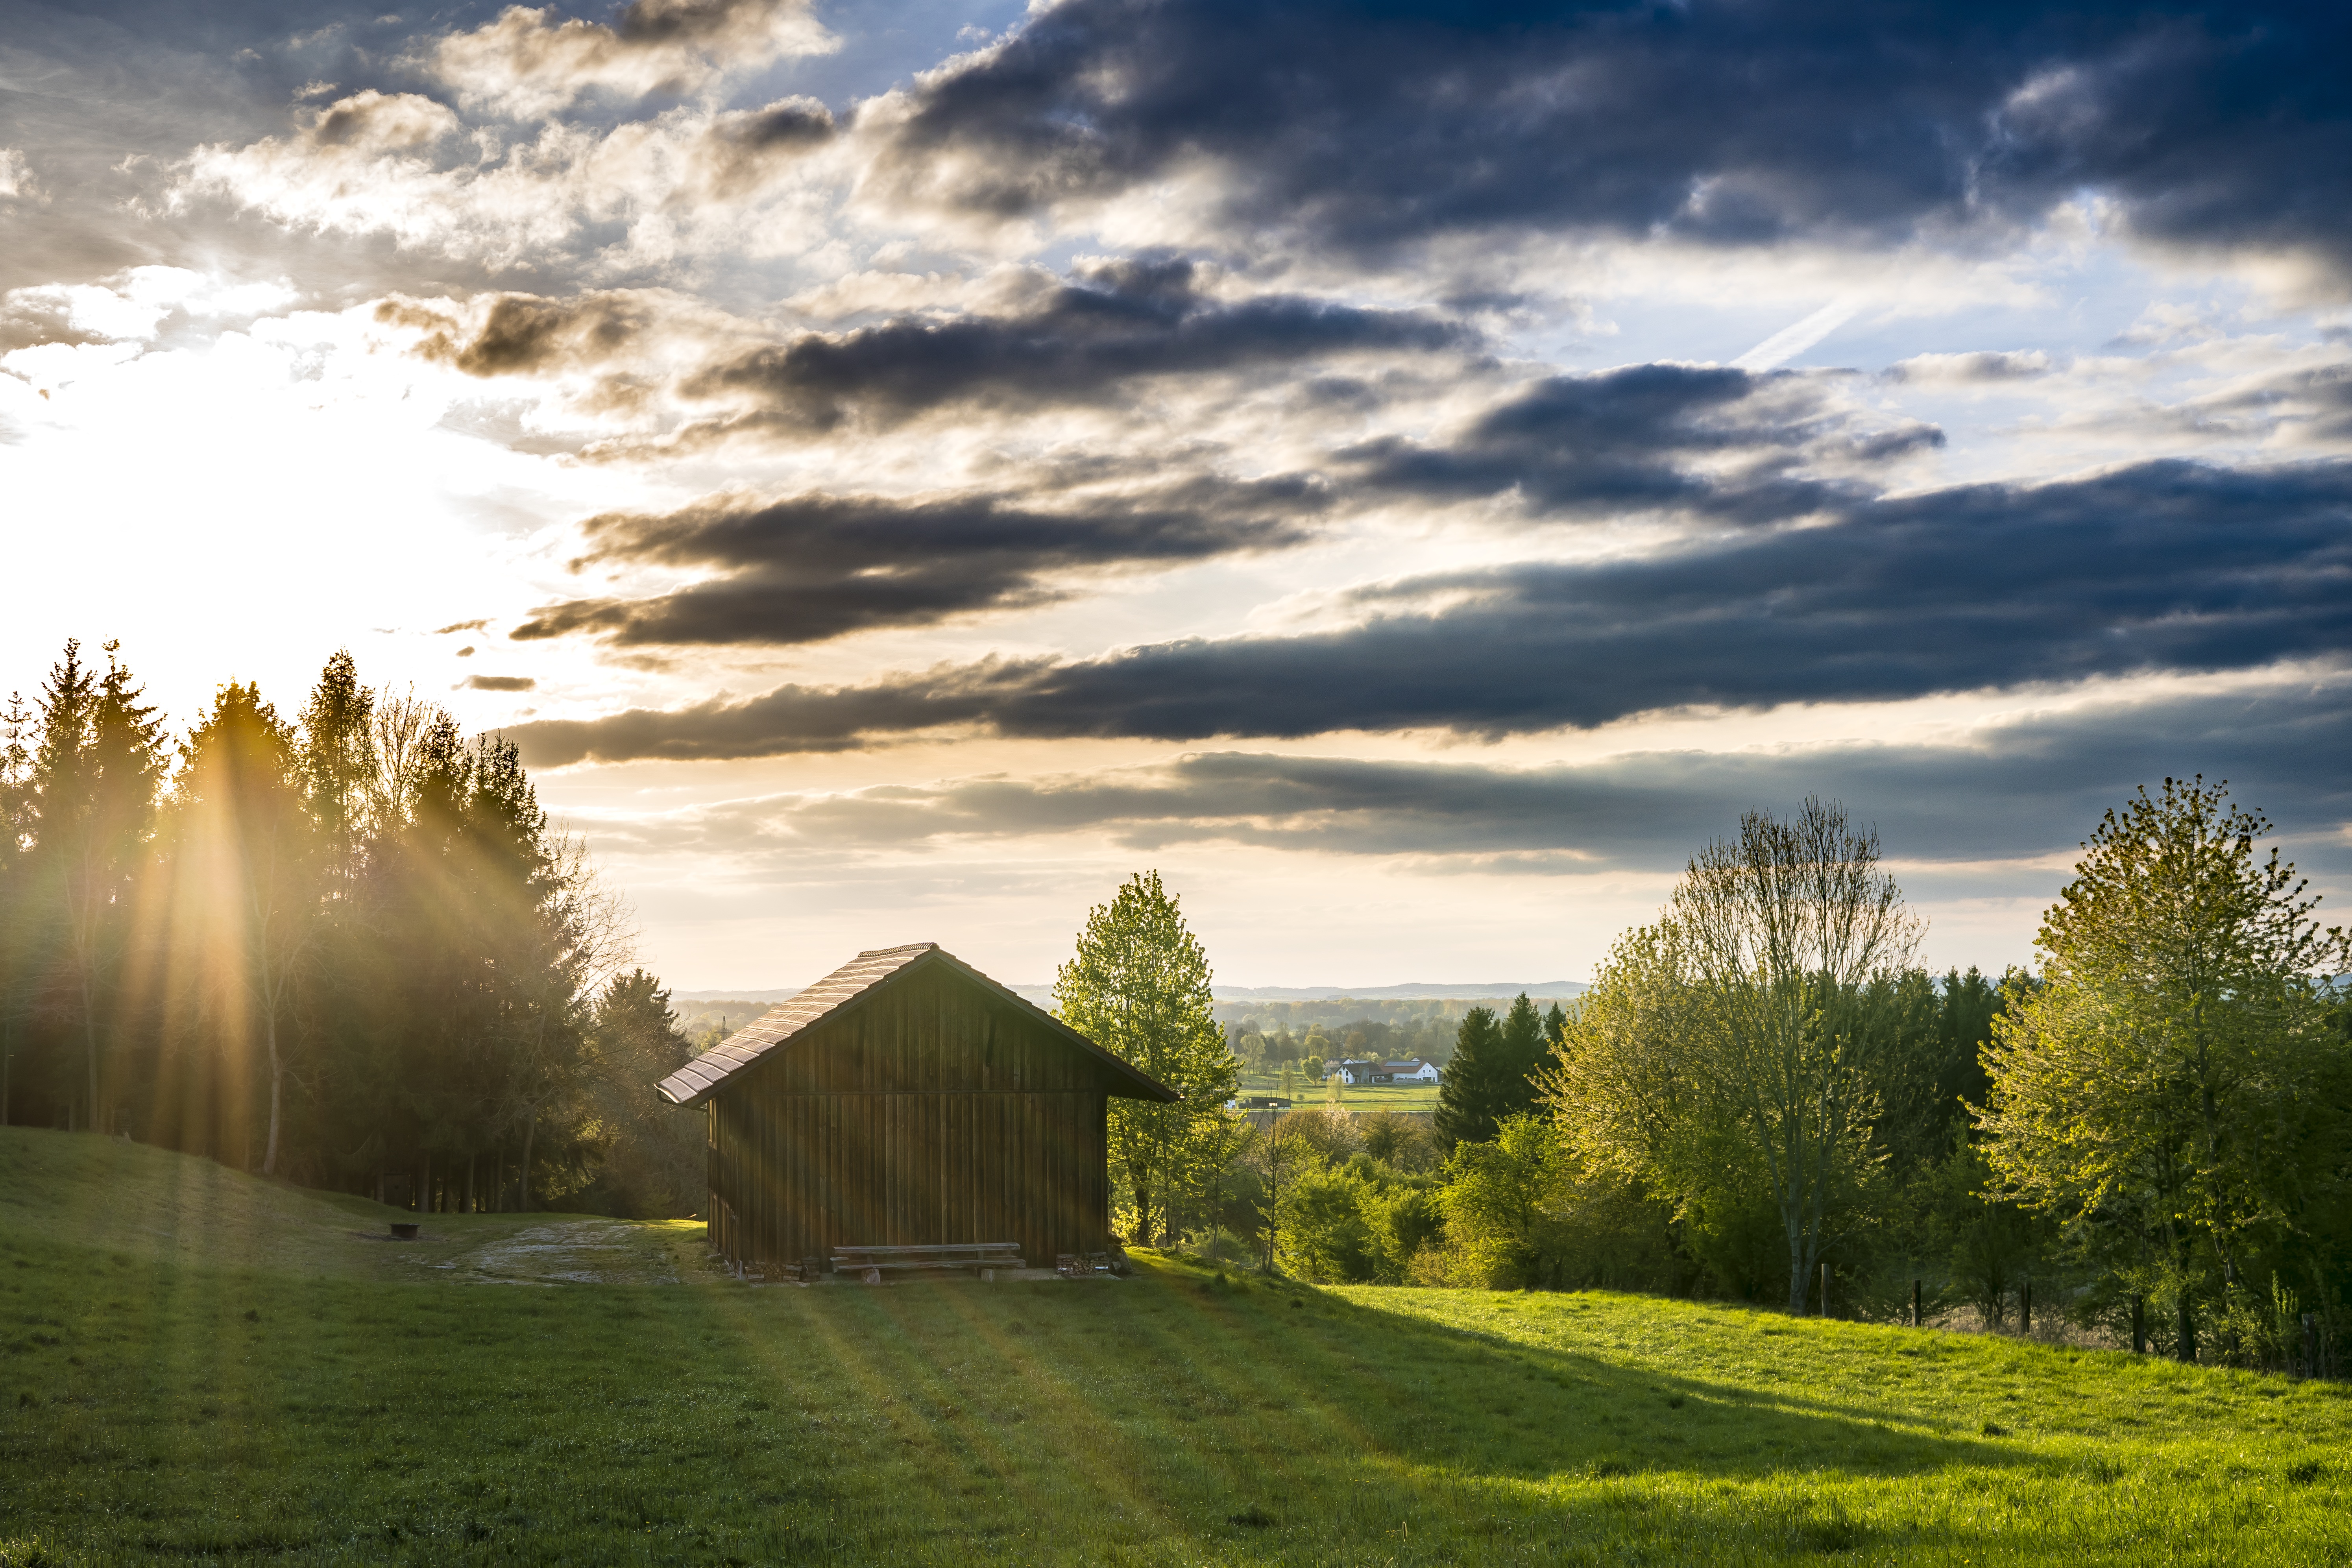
1465, 1093
247, 885
94, 780
16, 834
1524, 1044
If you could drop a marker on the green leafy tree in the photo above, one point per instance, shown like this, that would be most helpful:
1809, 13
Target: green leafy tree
1397, 1140
652, 1152
1788, 928
1277, 1156
1139, 987
2156, 1087
1503, 1198
1357, 1222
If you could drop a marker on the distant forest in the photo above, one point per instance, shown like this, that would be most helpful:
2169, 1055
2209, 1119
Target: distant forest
1264, 1035
1269, 1035
346, 947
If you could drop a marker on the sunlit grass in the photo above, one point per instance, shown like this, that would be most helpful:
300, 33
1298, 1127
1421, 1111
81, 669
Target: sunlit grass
154, 1406
1312, 1094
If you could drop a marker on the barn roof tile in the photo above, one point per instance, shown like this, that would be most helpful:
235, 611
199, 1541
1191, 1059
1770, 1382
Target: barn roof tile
843, 989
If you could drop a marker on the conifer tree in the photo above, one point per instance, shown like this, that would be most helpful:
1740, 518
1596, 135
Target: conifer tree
1523, 1044
15, 835
95, 773
1468, 1088
247, 885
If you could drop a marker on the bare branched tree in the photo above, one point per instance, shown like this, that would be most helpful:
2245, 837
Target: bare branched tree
1786, 926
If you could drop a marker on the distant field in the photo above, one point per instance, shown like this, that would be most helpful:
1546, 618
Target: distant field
195, 1367
1372, 1096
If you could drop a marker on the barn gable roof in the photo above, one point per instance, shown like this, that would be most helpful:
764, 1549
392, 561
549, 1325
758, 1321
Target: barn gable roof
843, 989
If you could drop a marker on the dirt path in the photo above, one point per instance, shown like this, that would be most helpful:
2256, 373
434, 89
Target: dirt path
547, 1250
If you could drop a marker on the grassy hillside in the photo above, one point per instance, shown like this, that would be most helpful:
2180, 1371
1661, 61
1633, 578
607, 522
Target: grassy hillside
167, 1399
130, 1203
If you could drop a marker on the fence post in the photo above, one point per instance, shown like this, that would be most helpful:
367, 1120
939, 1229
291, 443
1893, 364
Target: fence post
2139, 1325
2025, 1307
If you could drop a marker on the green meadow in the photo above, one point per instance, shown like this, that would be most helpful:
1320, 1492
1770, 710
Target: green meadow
197, 1366
1410, 1097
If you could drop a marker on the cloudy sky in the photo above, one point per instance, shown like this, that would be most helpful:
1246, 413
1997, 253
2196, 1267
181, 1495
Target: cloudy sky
1411, 474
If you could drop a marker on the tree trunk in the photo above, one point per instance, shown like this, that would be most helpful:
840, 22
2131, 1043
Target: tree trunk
90, 1047
277, 1090
424, 1194
2184, 1346
529, 1132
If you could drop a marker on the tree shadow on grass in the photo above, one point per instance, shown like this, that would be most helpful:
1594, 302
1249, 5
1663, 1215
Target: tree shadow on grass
1169, 1418
1157, 1408
1440, 1393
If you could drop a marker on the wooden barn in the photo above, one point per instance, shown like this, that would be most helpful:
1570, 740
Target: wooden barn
906, 1099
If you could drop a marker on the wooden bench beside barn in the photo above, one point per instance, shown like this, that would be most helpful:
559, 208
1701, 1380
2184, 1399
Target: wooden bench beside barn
979, 1257
907, 1103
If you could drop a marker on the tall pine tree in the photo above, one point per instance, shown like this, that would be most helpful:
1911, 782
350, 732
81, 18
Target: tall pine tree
95, 774
1487, 1080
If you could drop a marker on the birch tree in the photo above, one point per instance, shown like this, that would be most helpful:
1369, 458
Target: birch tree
1785, 929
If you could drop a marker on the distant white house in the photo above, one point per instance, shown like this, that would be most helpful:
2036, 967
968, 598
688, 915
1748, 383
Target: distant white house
1362, 1073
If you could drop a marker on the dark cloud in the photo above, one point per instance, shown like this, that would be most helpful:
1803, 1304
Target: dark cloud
2160, 566
2014, 790
1119, 322
499, 683
743, 149
1724, 443
1711, 121
1703, 437
815, 566
523, 333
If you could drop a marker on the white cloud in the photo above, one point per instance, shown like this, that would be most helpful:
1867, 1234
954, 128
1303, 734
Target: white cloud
17, 176
395, 164
529, 63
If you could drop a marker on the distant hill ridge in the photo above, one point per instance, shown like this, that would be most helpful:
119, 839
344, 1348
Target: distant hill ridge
1428, 991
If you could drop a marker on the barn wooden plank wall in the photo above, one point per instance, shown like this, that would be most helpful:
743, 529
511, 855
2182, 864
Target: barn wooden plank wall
930, 1113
